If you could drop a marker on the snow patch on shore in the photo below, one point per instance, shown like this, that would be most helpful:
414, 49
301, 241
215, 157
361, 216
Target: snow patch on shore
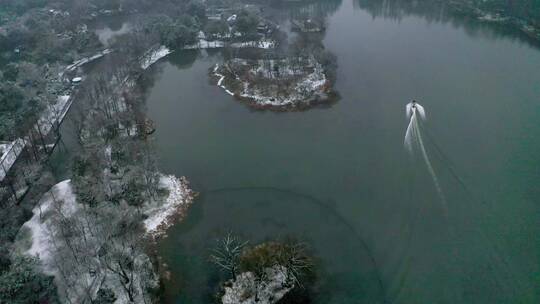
72, 67
155, 56
247, 289
221, 79
161, 215
41, 237
261, 44
311, 87
217, 44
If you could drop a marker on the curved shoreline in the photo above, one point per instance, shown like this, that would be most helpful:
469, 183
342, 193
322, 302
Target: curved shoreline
40, 237
253, 101
178, 201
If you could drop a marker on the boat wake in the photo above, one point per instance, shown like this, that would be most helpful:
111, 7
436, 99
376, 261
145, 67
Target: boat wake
415, 144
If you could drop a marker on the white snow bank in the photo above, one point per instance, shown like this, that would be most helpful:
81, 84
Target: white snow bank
310, 87
4, 147
262, 44
220, 81
154, 56
161, 215
72, 67
74, 261
75, 281
206, 44
62, 198
246, 289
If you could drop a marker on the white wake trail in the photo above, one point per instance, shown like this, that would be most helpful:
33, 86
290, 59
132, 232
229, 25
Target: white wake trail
413, 138
421, 111
409, 135
430, 167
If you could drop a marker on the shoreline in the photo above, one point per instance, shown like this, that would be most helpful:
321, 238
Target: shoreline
521, 25
40, 237
153, 56
176, 205
255, 102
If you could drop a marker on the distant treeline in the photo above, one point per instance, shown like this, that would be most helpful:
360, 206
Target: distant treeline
11, 8
527, 11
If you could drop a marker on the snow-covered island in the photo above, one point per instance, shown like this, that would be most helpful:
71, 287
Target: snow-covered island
290, 83
249, 289
266, 273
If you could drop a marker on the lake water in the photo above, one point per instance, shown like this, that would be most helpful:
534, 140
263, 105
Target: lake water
339, 177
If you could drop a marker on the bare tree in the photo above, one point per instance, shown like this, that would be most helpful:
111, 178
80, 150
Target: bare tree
227, 252
295, 259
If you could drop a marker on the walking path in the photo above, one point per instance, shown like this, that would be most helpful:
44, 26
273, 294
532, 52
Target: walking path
51, 118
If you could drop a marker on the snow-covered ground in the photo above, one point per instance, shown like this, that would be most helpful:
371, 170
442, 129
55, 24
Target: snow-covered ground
78, 269
60, 197
205, 44
43, 237
161, 215
39, 237
155, 55
247, 289
4, 147
220, 81
308, 87
72, 67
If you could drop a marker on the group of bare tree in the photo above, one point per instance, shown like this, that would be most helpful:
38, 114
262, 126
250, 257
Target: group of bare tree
291, 258
102, 245
98, 248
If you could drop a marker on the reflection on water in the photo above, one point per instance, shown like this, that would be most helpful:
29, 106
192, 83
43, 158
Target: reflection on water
280, 213
439, 12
